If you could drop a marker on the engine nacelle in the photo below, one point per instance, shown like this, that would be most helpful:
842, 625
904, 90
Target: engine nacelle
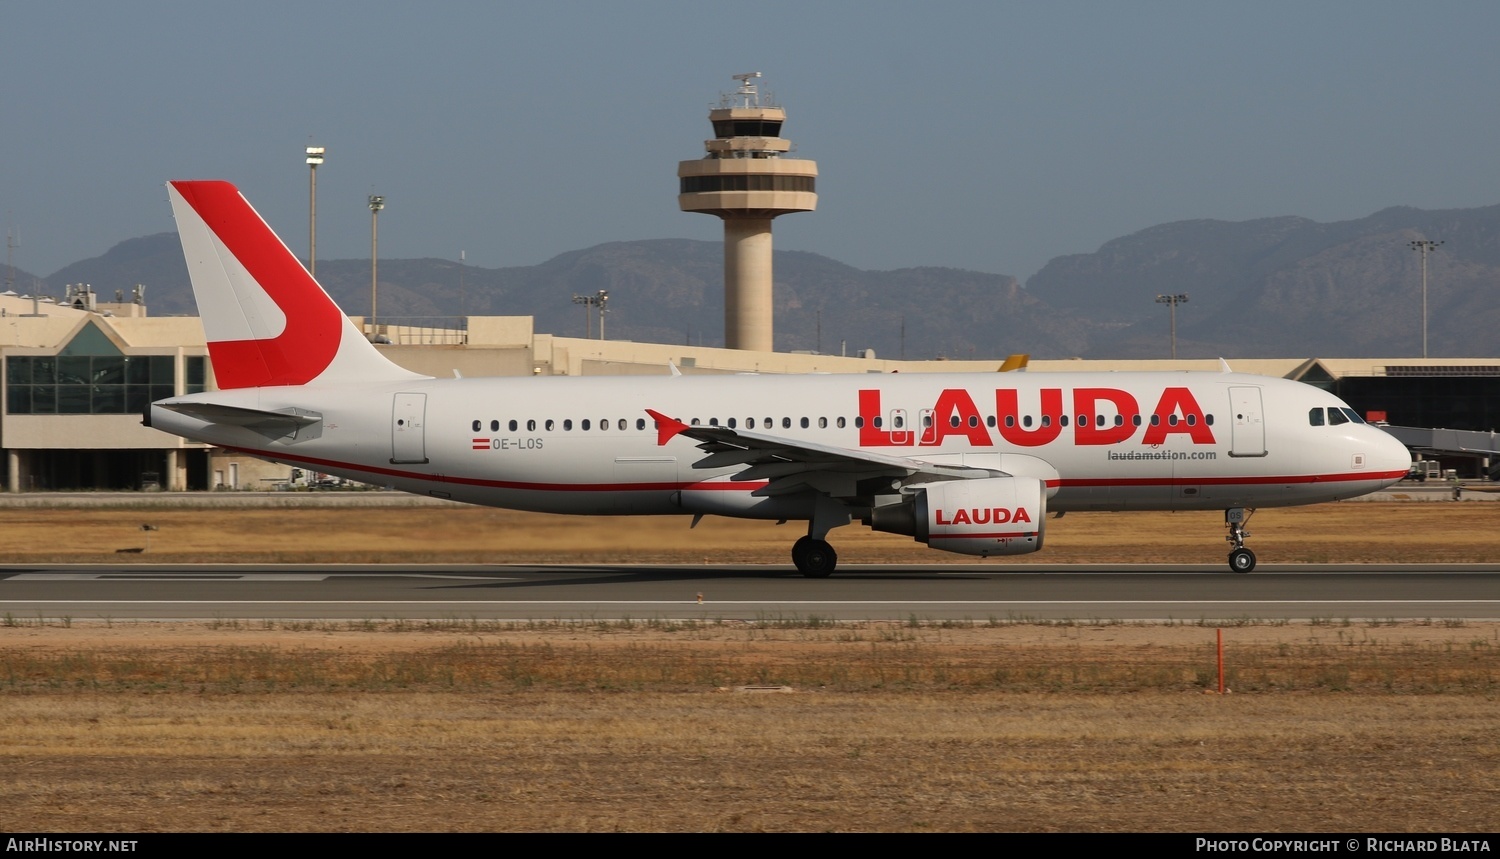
990, 516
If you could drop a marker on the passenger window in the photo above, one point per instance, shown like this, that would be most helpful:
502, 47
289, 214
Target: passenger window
859, 421
495, 426
953, 421
877, 421
899, 422
713, 422
623, 424
1026, 421
1135, 420
1119, 420
1208, 419
1010, 420
513, 425
1083, 420
1192, 420
1156, 420
1315, 417
604, 424
584, 424
531, 426
476, 426
805, 423
973, 420
990, 420
731, 423
550, 424
841, 423
822, 423
568, 425
640, 423
1062, 420
786, 423
1172, 420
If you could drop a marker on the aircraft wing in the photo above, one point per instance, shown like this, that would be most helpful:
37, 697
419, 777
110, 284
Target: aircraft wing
791, 465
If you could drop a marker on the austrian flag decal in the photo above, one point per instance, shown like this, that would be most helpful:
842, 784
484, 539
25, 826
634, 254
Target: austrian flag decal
481, 444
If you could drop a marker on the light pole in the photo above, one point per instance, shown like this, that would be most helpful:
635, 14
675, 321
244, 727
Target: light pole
1425, 247
598, 300
1172, 301
376, 204
314, 158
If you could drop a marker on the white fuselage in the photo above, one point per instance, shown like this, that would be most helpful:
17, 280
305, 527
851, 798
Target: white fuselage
1099, 441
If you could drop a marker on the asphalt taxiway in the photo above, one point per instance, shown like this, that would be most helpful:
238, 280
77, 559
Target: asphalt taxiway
856, 592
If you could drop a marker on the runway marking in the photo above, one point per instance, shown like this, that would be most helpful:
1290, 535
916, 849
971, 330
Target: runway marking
226, 577
415, 602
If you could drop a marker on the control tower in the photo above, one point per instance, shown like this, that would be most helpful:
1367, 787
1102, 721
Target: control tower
746, 180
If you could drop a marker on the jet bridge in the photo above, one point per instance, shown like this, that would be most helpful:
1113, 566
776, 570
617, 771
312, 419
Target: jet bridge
1478, 444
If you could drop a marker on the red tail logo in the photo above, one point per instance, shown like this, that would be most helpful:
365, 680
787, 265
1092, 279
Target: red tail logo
314, 324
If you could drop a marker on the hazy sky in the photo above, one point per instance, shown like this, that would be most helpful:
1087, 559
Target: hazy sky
983, 135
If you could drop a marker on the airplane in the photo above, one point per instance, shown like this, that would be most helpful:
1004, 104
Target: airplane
970, 463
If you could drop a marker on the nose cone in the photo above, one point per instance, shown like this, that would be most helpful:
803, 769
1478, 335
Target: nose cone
1389, 457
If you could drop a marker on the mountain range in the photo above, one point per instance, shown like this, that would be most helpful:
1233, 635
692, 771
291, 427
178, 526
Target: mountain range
1272, 287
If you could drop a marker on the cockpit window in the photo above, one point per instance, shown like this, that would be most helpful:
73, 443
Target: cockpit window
1315, 417
1353, 415
1336, 417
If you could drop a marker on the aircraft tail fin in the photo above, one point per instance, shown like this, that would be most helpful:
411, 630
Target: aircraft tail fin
268, 323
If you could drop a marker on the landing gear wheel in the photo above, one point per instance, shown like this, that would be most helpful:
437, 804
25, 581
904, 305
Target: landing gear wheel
1241, 560
814, 558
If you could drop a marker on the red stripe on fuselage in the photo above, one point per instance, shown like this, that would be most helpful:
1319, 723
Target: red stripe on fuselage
751, 485
1247, 480
314, 324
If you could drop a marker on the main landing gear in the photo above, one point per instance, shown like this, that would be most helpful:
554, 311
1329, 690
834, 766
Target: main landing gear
814, 558
812, 554
1241, 559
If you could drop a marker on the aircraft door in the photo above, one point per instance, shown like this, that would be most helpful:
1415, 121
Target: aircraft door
1248, 431
408, 433
928, 420
899, 429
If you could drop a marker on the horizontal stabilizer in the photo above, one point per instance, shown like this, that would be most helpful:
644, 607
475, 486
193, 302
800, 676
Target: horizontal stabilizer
299, 423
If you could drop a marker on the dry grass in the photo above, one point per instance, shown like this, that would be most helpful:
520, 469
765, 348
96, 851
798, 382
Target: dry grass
356, 727
1349, 532
333, 656
474, 725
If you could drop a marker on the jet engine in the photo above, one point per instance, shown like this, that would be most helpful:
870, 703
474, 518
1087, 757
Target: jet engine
987, 516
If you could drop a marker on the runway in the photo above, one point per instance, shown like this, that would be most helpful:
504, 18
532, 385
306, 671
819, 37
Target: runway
748, 593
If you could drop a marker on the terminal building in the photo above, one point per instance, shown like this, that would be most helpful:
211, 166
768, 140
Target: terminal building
79, 373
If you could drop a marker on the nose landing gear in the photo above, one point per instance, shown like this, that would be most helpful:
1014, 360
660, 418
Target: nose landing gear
1241, 559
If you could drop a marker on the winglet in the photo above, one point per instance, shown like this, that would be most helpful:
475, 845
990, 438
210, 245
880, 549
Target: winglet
1224, 366
666, 428
1015, 363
